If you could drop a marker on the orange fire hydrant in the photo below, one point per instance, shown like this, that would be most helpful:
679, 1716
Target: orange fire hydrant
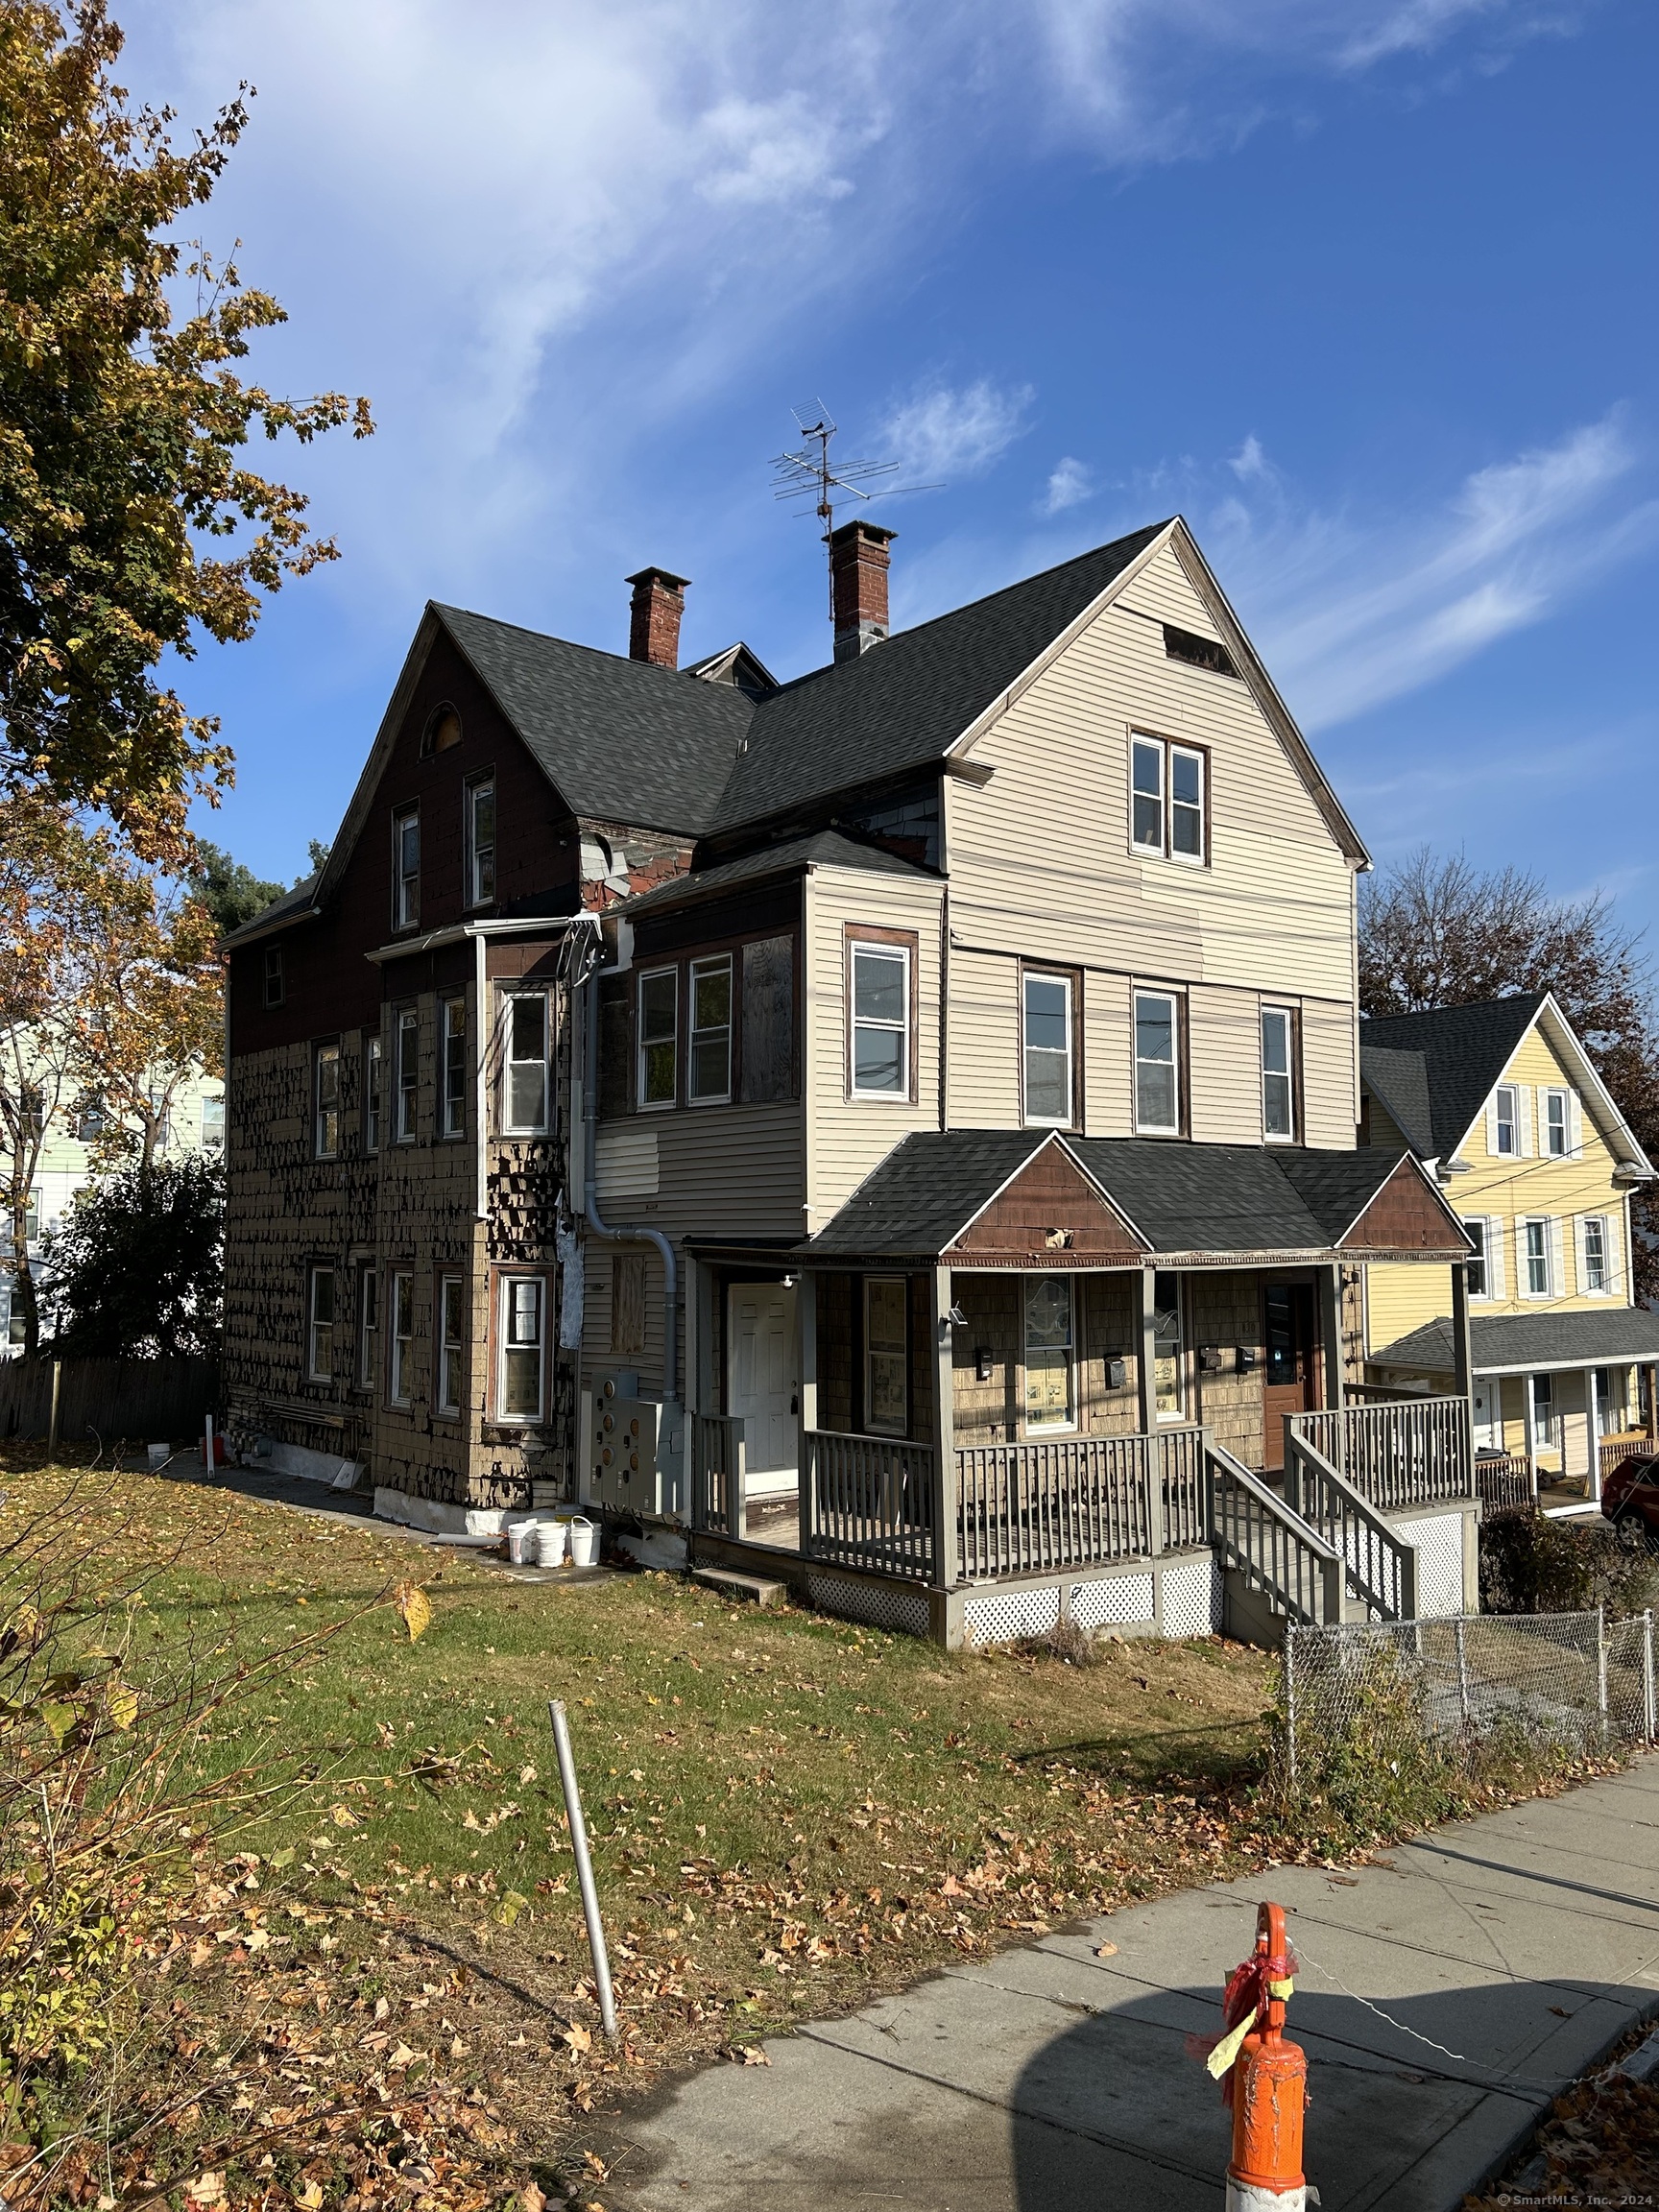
1266, 2077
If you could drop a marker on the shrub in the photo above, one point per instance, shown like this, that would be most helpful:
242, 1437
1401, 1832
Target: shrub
136, 1268
1531, 1563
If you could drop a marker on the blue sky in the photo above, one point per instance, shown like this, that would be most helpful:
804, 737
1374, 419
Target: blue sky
1366, 288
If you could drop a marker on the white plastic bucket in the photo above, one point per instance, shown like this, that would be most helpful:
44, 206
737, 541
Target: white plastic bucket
159, 1454
521, 1535
584, 1542
549, 1543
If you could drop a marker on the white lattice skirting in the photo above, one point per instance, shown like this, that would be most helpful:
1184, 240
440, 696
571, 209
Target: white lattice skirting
999, 1616
1193, 1594
880, 1605
1439, 1542
1114, 1599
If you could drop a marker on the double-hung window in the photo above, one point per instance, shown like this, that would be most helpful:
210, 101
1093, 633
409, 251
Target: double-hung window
1167, 800
273, 981
408, 1071
1278, 1072
319, 1330
374, 1091
1476, 1268
451, 1343
1047, 1021
886, 1361
368, 1328
523, 1336
880, 1040
1592, 1255
481, 841
403, 1376
212, 1124
1049, 1397
710, 1081
1556, 1140
1157, 1063
527, 1056
406, 868
1535, 1250
659, 1037
326, 1102
454, 1107
1506, 1121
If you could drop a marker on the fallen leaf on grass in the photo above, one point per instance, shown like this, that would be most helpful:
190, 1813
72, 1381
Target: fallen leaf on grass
577, 2036
310, 2197
206, 2189
530, 2199
414, 1607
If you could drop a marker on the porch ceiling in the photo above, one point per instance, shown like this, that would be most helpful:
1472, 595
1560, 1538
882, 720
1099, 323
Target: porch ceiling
1019, 1197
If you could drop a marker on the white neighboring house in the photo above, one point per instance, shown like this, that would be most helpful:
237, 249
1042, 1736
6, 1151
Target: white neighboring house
194, 1121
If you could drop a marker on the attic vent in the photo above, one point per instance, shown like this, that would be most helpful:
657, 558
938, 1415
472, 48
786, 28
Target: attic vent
1198, 652
443, 730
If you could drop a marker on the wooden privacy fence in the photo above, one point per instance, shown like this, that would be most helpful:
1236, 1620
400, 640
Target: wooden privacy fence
155, 1401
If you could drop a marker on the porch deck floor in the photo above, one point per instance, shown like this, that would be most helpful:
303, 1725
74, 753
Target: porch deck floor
775, 1521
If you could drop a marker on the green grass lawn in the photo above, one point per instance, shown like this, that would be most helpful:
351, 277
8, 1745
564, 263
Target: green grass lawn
788, 1812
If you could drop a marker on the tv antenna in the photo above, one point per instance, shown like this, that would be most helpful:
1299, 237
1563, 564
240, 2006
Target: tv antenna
806, 473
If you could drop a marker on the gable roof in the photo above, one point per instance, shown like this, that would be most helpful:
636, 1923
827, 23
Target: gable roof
829, 849
1518, 1343
302, 900
1446, 1061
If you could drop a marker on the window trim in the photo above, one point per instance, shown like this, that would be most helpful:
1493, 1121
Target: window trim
476, 786
1176, 1000
1028, 1428
1071, 983
509, 1126
315, 1325
505, 1278
368, 1325
1524, 1256
326, 1053
706, 963
855, 936
1167, 748
886, 1352
214, 1142
405, 1027
1292, 1072
643, 1103
1603, 1288
399, 1379
1550, 1094
1478, 1226
273, 974
1512, 1092
450, 1306
374, 1089
405, 912
453, 1088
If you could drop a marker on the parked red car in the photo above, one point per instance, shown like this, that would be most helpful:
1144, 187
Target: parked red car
1630, 1500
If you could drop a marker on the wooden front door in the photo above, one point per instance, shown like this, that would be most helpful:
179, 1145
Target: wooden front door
1290, 1372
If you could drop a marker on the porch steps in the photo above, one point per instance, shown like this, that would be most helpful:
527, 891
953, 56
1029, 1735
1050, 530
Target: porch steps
751, 1589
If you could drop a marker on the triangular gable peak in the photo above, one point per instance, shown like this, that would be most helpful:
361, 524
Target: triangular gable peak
1562, 1039
1406, 1216
1049, 1213
1178, 539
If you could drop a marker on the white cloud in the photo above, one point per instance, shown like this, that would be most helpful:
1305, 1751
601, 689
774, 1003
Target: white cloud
1250, 463
959, 433
1351, 614
1070, 485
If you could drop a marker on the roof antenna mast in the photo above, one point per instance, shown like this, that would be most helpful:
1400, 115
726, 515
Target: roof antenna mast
806, 473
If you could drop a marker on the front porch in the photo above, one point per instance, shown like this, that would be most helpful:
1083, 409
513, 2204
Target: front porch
1043, 1416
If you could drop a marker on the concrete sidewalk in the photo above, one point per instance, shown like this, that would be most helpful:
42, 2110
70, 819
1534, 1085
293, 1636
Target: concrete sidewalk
1048, 2079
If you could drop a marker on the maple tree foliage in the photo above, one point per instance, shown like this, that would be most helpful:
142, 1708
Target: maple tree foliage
1435, 931
130, 525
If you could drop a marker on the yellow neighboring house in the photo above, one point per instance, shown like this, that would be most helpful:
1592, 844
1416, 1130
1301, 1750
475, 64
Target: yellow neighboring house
1502, 1103
194, 1121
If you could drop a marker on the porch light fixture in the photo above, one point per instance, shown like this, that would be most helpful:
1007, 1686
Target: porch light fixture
957, 1318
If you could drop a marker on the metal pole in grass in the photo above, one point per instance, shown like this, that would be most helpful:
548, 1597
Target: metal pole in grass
52, 1419
1290, 1703
1601, 1666
584, 1867
1650, 1719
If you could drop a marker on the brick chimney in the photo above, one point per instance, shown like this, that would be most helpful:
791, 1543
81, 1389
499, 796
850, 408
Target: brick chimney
653, 617
858, 586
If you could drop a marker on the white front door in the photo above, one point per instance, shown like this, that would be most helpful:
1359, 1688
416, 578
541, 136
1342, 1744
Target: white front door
1488, 1421
762, 1386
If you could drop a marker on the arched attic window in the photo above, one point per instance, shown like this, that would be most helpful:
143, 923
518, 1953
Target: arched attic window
443, 730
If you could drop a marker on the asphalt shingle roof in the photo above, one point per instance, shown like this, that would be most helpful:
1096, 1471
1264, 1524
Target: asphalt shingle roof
1217, 1198
283, 910
827, 849
1462, 1051
1507, 1343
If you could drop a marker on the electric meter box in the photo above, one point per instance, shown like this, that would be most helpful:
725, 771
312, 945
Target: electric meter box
622, 1454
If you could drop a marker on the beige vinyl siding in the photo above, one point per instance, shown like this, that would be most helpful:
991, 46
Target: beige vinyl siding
846, 1137
1162, 594
1331, 1108
1040, 860
1224, 1064
984, 1041
1108, 1053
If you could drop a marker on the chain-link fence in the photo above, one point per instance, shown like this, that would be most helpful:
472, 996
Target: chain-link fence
1468, 1691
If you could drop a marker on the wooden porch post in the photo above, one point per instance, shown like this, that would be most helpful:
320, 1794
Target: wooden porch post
947, 1553
1331, 1334
1654, 1404
807, 1355
1147, 1353
1462, 1356
1530, 1421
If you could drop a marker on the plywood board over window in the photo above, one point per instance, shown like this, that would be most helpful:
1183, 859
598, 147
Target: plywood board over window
768, 1034
628, 1282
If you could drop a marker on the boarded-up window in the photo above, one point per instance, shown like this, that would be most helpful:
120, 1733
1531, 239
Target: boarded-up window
628, 1302
616, 1047
768, 1020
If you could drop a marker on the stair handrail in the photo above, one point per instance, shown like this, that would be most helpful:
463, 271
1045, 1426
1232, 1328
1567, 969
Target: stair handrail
1298, 1536
1306, 1466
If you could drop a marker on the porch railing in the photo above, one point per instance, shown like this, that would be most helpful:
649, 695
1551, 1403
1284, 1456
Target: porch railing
1078, 1501
718, 1473
1271, 1545
1408, 1452
1616, 1449
1380, 1568
1505, 1479
868, 1501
